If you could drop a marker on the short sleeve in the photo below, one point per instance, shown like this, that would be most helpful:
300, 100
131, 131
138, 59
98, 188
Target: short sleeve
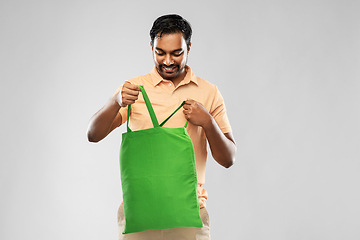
218, 111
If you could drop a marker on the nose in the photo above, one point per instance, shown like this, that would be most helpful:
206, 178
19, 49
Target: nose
168, 60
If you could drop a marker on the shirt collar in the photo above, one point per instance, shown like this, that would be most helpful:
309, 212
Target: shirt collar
190, 76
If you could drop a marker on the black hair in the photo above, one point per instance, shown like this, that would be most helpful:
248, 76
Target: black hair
171, 23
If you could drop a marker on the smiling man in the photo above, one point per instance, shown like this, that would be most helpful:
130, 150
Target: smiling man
169, 62
169, 83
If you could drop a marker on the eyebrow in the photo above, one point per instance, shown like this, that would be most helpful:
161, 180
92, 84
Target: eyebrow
176, 50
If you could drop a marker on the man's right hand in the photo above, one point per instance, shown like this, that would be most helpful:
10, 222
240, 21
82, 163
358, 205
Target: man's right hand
128, 94
108, 117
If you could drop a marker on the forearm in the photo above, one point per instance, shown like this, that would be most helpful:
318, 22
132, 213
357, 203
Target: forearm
222, 146
103, 121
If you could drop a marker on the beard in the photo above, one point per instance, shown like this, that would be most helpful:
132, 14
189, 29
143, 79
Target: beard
169, 72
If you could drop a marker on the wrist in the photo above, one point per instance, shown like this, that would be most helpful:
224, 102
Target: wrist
208, 123
118, 100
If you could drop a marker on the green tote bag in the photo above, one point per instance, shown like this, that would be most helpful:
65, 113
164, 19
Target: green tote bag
158, 177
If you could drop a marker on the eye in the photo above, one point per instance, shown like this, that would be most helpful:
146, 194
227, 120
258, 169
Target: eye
177, 54
160, 53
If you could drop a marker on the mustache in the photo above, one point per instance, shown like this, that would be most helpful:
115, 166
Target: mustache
168, 66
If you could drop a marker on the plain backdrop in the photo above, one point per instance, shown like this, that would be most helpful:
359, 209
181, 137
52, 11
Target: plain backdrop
289, 72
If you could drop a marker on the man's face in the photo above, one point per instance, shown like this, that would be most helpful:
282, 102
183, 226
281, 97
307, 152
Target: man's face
170, 54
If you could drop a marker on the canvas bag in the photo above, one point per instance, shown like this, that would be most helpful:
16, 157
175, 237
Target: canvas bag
158, 177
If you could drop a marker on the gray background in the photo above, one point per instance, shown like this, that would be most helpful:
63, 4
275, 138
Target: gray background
288, 70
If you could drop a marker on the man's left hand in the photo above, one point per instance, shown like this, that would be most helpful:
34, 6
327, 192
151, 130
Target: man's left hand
196, 113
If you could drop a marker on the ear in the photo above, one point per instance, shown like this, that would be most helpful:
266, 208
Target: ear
152, 48
188, 49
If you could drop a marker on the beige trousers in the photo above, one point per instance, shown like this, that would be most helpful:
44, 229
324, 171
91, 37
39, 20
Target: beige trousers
188, 233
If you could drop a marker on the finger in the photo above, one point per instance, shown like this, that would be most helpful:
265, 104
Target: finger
187, 112
186, 106
130, 89
127, 102
187, 103
129, 92
131, 86
129, 97
188, 109
186, 115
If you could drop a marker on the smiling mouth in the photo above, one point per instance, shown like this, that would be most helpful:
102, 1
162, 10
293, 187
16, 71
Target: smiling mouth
169, 69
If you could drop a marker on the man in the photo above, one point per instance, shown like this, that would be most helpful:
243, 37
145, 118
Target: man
167, 85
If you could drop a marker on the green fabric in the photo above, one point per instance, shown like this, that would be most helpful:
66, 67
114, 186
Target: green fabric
158, 177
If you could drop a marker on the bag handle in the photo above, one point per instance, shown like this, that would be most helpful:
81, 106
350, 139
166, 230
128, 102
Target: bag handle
149, 108
151, 112
182, 104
